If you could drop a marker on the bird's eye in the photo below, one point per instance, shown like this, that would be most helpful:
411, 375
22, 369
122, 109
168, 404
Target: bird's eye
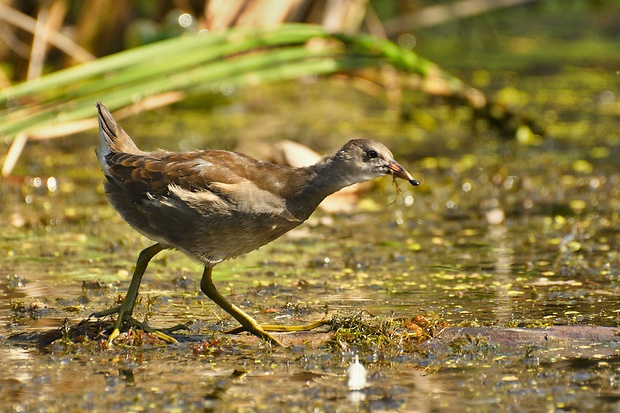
371, 153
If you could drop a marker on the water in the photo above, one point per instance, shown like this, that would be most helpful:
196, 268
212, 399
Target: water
508, 249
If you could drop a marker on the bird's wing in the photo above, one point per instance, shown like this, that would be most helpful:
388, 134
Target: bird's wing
226, 174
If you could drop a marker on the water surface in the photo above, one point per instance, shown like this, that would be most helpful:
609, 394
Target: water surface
509, 245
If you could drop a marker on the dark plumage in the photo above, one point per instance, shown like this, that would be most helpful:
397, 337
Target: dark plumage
215, 205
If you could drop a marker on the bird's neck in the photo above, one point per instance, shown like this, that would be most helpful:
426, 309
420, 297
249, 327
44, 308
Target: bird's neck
330, 175
319, 181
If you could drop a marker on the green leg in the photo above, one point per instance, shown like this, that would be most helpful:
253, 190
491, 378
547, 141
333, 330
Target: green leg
286, 329
249, 324
125, 310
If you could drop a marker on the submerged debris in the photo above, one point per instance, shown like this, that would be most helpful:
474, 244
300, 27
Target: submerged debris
365, 332
468, 344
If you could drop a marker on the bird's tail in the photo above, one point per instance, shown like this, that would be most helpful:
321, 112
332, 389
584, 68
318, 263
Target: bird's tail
112, 138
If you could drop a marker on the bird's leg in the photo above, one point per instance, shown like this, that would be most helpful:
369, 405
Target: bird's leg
125, 309
285, 329
248, 323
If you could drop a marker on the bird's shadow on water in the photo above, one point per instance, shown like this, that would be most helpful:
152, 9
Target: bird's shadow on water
94, 331
97, 331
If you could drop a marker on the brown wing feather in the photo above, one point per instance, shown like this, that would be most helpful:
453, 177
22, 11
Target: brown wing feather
192, 171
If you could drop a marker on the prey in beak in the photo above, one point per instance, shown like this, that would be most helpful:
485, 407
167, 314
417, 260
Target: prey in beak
400, 172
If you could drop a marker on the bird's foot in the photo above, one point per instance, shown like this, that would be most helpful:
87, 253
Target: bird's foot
253, 327
262, 330
109, 311
124, 316
303, 327
161, 334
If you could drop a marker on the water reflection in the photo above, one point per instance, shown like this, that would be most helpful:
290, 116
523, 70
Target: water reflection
514, 246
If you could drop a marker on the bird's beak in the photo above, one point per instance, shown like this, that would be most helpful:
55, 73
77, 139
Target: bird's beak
400, 172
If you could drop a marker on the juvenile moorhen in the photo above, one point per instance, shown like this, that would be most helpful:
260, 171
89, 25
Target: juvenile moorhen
214, 205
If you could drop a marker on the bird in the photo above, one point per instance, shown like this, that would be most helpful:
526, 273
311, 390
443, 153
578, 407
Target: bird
214, 205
